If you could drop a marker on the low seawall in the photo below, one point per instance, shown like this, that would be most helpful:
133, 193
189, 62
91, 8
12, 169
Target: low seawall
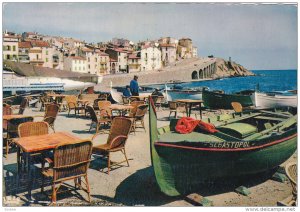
184, 71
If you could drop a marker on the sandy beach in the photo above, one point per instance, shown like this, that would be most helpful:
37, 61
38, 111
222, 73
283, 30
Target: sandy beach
135, 185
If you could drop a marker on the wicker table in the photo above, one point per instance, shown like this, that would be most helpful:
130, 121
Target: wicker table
188, 105
9, 117
121, 108
40, 143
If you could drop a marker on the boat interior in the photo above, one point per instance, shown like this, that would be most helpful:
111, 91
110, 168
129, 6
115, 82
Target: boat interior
253, 125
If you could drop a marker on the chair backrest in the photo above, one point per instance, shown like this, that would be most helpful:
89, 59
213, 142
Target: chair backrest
51, 113
141, 111
126, 100
133, 99
104, 107
71, 101
135, 104
291, 172
23, 105
172, 105
92, 113
7, 110
237, 107
71, 160
103, 96
33, 128
120, 126
13, 124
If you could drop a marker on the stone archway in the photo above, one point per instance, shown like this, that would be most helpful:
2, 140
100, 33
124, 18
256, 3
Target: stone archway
201, 74
194, 75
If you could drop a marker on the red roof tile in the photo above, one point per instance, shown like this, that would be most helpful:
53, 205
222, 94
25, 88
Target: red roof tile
24, 44
77, 58
40, 43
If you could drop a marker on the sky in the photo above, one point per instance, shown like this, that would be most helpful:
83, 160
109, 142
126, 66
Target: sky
257, 36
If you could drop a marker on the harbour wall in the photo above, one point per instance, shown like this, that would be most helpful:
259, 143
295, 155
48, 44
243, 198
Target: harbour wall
185, 71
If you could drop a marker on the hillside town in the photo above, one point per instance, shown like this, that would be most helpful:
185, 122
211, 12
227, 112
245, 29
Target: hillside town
113, 57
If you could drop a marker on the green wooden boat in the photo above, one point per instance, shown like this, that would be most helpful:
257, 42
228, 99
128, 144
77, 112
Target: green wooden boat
245, 144
220, 100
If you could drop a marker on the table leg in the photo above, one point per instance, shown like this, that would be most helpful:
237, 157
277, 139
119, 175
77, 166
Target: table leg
200, 111
190, 109
28, 159
19, 167
187, 110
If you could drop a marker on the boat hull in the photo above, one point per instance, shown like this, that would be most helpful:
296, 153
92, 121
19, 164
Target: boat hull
174, 95
263, 100
223, 101
181, 167
185, 168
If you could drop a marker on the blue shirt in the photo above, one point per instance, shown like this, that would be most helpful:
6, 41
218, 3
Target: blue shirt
134, 86
126, 93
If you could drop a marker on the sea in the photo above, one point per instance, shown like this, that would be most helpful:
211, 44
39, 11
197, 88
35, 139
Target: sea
264, 80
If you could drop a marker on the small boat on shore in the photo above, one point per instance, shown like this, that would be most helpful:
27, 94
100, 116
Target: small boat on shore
219, 100
179, 92
245, 144
275, 99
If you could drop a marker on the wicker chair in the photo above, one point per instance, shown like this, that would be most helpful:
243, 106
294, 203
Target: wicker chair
51, 114
30, 129
7, 110
139, 117
73, 104
173, 108
237, 107
45, 100
291, 171
126, 100
135, 105
95, 119
12, 130
70, 162
21, 107
116, 140
105, 111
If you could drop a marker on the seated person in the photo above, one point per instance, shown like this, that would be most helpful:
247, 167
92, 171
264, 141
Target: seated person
156, 92
127, 92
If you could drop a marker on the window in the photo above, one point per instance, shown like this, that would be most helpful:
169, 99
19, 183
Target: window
79, 68
14, 48
83, 68
89, 67
95, 59
37, 56
46, 60
88, 59
46, 52
8, 48
8, 57
132, 60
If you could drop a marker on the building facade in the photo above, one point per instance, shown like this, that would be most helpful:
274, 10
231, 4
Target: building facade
134, 62
75, 64
10, 48
150, 58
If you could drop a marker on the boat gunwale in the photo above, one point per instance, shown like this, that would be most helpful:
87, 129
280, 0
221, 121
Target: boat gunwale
162, 144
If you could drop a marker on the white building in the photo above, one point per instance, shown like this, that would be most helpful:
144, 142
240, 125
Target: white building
150, 58
168, 53
195, 51
75, 64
